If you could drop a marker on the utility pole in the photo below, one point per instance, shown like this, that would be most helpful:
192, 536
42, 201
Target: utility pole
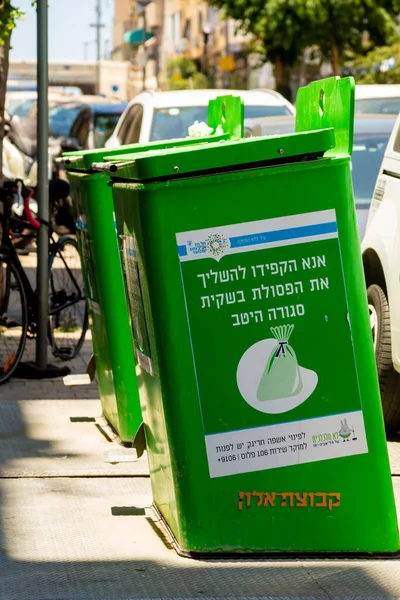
98, 26
43, 184
85, 50
40, 369
141, 10
144, 46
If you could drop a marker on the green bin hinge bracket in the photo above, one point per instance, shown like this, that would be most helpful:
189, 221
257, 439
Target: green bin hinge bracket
82, 378
328, 103
228, 112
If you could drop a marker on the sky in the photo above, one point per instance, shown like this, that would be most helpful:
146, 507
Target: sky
69, 29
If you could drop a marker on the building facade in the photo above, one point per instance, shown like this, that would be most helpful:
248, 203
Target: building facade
190, 29
197, 31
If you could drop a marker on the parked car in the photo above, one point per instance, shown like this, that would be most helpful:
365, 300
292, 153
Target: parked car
19, 150
371, 135
81, 123
269, 126
20, 103
85, 122
378, 99
24, 104
381, 258
153, 116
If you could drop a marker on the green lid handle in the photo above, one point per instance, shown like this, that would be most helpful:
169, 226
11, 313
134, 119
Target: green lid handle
228, 112
63, 160
105, 167
111, 167
328, 103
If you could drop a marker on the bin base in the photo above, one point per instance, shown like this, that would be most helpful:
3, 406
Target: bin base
171, 540
29, 370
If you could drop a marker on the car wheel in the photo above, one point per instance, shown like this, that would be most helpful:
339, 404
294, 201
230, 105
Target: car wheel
389, 379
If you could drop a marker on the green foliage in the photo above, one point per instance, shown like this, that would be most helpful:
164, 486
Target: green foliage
8, 16
344, 23
283, 28
278, 25
200, 81
366, 68
185, 67
182, 74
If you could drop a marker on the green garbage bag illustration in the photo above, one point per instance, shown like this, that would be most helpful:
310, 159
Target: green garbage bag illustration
281, 377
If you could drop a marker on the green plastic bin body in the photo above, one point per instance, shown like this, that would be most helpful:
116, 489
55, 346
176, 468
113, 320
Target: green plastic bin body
109, 320
104, 288
257, 376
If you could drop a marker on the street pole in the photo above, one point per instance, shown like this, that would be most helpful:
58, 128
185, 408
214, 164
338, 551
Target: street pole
98, 42
141, 10
43, 184
40, 369
144, 47
98, 25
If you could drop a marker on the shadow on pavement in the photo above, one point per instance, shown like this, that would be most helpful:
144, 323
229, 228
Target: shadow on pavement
69, 534
31, 389
88, 538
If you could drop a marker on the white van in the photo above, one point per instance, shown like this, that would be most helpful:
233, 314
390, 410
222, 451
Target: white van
381, 256
380, 99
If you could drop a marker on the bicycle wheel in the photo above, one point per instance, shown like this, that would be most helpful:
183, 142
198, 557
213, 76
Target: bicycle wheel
13, 319
68, 317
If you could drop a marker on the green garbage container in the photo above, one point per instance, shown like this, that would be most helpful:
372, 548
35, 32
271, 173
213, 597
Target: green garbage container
108, 314
257, 376
109, 318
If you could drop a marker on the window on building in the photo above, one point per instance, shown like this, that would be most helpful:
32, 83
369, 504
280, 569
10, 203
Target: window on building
200, 22
170, 29
186, 31
177, 28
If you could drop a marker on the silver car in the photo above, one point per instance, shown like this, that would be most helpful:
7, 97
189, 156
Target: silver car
371, 135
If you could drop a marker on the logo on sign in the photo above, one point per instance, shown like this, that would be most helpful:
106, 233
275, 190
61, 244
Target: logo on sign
344, 434
215, 245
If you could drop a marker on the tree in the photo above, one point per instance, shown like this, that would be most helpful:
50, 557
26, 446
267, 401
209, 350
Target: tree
343, 25
380, 65
8, 16
278, 27
282, 29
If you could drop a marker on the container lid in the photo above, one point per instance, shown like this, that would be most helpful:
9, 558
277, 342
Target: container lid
83, 160
219, 157
225, 114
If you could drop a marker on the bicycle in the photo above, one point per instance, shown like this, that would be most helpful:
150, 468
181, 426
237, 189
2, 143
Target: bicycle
68, 316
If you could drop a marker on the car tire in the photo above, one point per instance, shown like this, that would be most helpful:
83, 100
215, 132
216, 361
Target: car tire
389, 379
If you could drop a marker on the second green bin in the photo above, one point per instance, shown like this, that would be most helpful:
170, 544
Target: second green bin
110, 321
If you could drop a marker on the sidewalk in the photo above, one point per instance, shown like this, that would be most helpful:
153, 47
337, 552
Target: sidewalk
75, 527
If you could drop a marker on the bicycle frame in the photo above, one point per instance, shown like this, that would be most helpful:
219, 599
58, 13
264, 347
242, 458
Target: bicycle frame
53, 251
8, 250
